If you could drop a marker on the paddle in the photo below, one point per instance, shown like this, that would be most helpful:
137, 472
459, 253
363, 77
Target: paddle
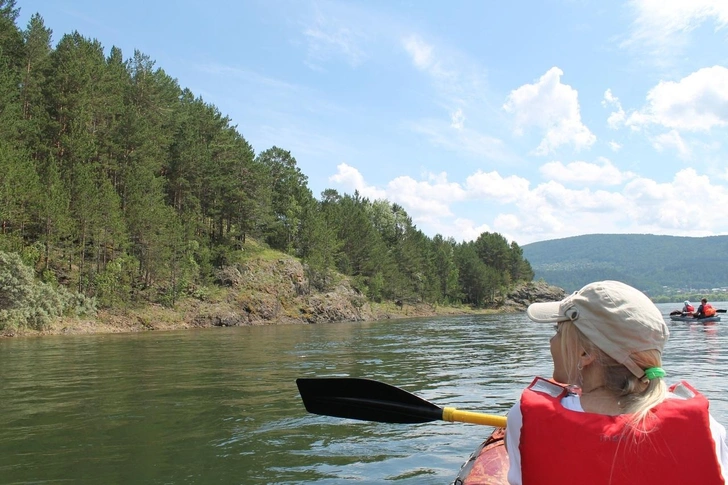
720, 310
369, 400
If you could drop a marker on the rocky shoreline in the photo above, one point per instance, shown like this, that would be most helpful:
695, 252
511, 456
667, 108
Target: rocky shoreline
273, 293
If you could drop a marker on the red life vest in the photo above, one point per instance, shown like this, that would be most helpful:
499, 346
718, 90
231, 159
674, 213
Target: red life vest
689, 308
562, 446
708, 310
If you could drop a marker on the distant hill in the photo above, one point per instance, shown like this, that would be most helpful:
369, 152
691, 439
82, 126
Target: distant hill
658, 265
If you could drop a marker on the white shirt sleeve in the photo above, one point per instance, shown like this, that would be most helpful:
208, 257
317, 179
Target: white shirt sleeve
513, 440
721, 449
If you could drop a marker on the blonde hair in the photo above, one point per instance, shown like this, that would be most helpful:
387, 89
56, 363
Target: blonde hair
637, 396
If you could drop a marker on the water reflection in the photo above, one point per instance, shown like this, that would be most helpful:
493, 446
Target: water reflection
221, 406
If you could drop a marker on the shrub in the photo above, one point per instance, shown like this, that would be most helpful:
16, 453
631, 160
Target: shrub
113, 285
27, 303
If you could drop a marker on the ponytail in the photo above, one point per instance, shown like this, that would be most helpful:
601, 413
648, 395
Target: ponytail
637, 396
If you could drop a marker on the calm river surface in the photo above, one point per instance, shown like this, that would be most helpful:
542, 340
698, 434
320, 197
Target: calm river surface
221, 405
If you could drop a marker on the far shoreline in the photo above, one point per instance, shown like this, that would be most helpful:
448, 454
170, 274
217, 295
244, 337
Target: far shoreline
159, 318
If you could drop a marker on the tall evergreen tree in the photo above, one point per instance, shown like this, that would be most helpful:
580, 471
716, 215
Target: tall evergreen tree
446, 269
319, 245
54, 215
148, 122
11, 52
519, 268
494, 251
11, 39
8, 11
113, 146
19, 189
478, 281
290, 194
363, 253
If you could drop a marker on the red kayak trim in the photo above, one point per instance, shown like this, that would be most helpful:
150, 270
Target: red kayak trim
488, 465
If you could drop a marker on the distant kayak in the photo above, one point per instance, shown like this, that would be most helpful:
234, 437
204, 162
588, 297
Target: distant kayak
691, 319
488, 465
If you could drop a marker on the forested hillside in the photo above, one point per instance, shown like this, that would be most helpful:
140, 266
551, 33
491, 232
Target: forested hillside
124, 187
661, 265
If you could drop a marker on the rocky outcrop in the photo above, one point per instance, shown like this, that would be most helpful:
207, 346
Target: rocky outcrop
341, 304
532, 292
275, 291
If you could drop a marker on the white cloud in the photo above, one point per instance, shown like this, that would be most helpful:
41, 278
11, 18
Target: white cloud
328, 37
457, 82
671, 139
461, 229
464, 141
615, 146
673, 207
425, 199
508, 225
585, 173
507, 222
572, 201
424, 59
458, 119
553, 107
553, 210
697, 102
642, 206
491, 185
420, 51
352, 179
662, 27
616, 118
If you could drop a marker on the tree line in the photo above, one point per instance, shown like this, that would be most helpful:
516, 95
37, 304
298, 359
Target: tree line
117, 183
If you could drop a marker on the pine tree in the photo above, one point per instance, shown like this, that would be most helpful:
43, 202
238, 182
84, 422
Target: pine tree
289, 195
148, 122
19, 190
11, 53
318, 244
53, 211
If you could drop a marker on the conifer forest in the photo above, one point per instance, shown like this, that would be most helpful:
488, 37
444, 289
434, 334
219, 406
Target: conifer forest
120, 187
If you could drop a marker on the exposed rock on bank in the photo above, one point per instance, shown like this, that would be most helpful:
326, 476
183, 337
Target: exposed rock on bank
261, 292
533, 292
278, 291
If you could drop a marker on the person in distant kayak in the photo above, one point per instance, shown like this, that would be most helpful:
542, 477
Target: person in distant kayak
705, 309
688, 308
608, 417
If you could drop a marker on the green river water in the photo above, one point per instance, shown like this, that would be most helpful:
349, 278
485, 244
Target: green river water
220, 406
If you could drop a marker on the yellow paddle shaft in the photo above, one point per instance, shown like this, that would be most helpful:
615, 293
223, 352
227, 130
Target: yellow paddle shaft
455, 415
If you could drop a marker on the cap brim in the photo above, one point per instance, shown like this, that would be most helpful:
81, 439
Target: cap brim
547, 312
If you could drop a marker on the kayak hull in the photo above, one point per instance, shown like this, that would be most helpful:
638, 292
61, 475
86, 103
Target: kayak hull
488, 465
680, 318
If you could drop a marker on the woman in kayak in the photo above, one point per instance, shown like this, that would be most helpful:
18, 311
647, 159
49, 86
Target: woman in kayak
609, 417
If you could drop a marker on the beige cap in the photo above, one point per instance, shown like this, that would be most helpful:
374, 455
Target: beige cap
617, 318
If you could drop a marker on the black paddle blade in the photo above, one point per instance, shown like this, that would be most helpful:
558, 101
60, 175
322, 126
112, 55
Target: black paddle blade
364, 399
720, 310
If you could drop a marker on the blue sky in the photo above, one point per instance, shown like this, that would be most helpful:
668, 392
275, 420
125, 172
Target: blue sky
534, 119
